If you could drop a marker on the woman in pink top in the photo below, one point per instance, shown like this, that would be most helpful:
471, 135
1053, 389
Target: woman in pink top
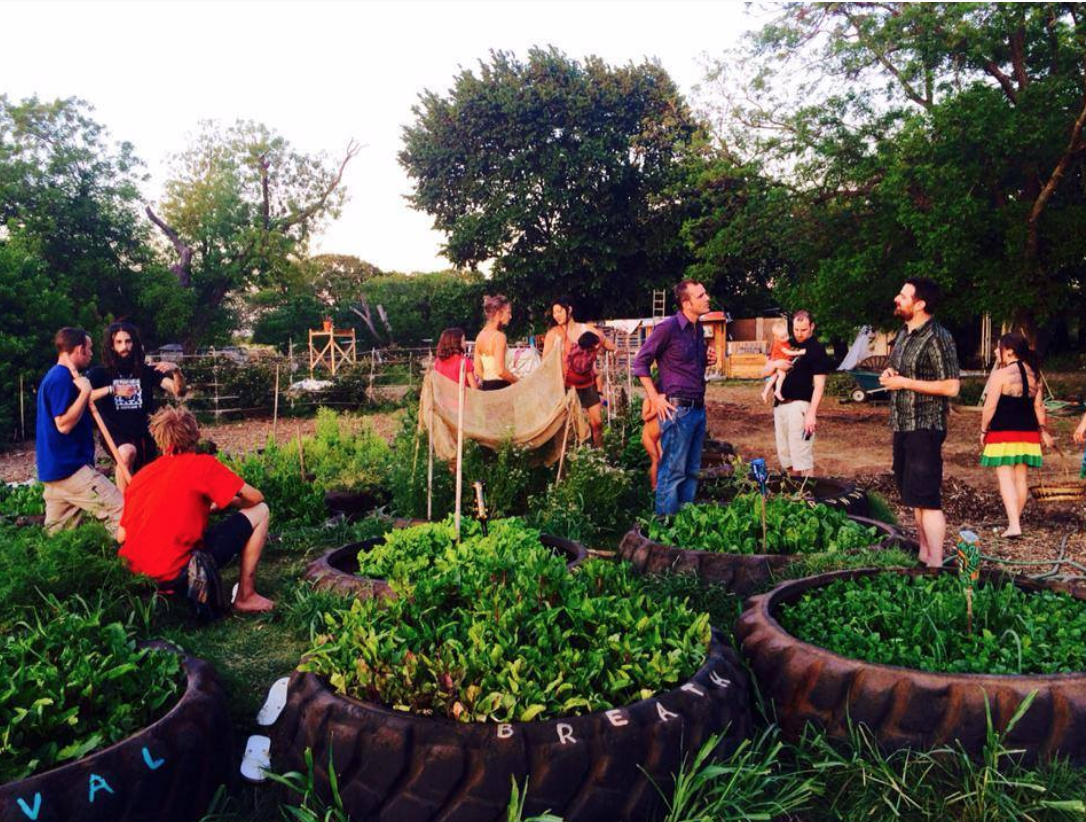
450, 353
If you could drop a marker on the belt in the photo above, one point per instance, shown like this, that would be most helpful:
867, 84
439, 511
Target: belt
686, 402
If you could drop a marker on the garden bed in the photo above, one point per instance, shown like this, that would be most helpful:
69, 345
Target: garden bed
728, 540
169, 769
502, 664
838, 494
340, 570
909, 707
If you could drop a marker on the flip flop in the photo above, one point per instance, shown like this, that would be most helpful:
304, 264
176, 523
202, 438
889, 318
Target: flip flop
257, 760
274, 704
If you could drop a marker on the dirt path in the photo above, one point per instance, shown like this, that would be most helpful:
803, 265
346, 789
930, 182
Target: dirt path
854, 442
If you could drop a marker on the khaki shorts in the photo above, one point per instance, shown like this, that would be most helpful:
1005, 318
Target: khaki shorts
794, 452
85, 490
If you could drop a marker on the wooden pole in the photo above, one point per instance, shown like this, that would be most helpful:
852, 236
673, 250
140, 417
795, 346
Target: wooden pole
565, 438
275, 403
122, 469
629, 369
607, 385
460, 443
430, 468
301, 450
22, 410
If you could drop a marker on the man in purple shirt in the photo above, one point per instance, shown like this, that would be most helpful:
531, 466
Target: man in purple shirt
681, 355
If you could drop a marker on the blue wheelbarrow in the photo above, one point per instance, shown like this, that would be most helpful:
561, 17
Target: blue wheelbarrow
866, 374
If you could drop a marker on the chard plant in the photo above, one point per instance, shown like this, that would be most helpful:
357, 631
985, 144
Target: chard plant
497, 629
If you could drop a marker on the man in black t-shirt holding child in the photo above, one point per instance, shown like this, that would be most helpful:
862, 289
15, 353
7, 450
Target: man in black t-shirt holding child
795, 417
131, 399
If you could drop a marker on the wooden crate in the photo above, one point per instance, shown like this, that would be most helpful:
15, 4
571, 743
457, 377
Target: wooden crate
745, 366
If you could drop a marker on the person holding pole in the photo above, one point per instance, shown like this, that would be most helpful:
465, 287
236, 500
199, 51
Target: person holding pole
64, 446
132, 401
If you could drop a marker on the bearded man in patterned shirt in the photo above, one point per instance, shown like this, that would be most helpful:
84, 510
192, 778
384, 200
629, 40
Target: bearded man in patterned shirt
922, 377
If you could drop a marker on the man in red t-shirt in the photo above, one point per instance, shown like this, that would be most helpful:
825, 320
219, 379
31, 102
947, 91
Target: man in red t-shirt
168, 504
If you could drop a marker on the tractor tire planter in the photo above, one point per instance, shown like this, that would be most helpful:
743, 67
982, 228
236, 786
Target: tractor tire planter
906, 707
169, 770
337, 570
716, 452
742, 574
838, 494
394, 766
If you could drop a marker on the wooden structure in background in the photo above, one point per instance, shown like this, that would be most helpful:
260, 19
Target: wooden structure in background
331, 347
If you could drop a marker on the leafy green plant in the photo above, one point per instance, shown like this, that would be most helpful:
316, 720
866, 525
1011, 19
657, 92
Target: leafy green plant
792, 527
498, 629
593, 498
73, 683
82, 561
22, 500
920, 622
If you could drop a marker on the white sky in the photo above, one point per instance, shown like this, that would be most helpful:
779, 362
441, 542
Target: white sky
321, 73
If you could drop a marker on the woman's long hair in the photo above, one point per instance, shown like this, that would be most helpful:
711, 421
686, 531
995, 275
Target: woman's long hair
1018, 345
450, 343
112, 359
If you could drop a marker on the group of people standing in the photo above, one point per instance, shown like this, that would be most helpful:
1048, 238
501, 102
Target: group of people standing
161, 516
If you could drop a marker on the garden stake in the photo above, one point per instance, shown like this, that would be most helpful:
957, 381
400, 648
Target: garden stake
460, 445
761, 476
430, 467
275, 403
301, 450
22, 411
968, 571
480, 505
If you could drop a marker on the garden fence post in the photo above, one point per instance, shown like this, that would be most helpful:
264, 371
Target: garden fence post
275, 403
430, 467
301, 450
460, 442
215, 377
372, 360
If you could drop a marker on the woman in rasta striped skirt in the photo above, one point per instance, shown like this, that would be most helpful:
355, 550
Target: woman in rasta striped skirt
1012, 425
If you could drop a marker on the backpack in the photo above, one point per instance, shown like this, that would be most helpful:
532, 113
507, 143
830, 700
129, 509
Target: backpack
205, 591
581, 367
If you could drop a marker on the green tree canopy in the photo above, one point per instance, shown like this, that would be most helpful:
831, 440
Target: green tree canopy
560, 172
240, 208
896, 140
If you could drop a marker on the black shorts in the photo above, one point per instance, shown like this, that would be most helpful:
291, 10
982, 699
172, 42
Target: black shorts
494, 385
223, 540
146, 451
588, 396
918, 467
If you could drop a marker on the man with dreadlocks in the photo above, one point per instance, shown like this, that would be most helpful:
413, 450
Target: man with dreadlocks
168, 505
131, 399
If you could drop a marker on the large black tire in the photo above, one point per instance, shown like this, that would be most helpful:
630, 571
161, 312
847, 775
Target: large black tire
904, 707
399, 767
337, 570
742, 574
193, 741
716, 452
831, 492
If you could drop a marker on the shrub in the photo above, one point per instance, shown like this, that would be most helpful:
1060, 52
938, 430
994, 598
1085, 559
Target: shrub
80, 561
498, 629
22, 500
73, 683
593, 498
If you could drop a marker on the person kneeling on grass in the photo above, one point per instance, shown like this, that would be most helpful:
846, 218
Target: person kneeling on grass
168, 504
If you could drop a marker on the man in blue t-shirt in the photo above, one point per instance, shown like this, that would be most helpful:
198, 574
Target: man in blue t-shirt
64, 445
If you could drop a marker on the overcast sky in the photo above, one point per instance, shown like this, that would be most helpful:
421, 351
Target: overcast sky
322, 73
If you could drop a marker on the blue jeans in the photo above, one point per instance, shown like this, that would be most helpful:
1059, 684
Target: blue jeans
681, 438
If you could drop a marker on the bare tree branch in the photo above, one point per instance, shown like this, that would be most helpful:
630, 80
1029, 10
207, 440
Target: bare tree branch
304, 214
182, 269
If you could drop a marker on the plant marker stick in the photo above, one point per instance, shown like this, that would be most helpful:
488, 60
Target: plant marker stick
968, 571
761, 476
460, 443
